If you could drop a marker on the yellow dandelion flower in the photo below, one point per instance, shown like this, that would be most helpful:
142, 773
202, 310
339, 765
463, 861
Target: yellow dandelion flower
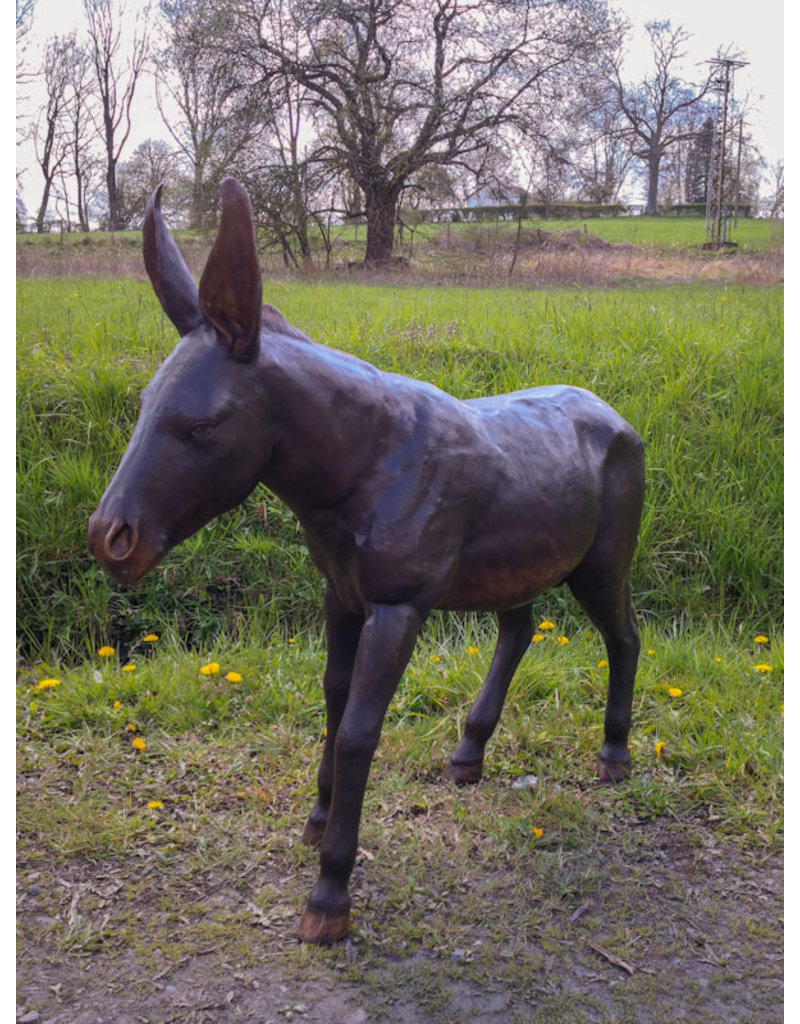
292, 640
435, 657
233, 677
150, 638
131, 727
537, 832
761, 639
537, 638
602, 663
659, 748
154, 805
718, 660
472, 650
547, 624
105, 652
675, 691
138, 743
563, 640
47, 684
210, 669
763, 667
650, 650
128, 668
116, 705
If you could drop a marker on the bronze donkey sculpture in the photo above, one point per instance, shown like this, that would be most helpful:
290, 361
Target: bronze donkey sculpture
410, 500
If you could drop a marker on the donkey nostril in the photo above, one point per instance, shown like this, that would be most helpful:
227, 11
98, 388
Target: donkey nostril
121, 541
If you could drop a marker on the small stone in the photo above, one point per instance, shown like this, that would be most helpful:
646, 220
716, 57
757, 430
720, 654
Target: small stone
526, 782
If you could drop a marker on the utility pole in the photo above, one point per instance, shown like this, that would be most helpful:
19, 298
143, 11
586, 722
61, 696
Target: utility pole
716, 206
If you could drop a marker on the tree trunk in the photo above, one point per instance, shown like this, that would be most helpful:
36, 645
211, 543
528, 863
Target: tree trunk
111, 185
381, 211
653, 170
43, 206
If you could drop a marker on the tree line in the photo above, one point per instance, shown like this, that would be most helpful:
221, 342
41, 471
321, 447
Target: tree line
332, 110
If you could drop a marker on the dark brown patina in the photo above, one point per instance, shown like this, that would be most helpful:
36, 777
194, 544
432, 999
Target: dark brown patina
410, 500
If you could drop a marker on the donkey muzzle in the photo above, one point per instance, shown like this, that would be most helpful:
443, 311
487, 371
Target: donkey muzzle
118, 546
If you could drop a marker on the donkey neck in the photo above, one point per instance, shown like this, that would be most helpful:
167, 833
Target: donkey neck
333, 418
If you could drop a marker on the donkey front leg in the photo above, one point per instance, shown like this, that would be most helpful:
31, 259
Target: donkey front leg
343, 630
384, 647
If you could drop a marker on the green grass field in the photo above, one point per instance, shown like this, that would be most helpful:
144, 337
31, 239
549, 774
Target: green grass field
697, 370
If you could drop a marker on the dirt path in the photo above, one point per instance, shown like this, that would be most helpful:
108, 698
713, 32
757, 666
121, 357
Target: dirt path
665, 922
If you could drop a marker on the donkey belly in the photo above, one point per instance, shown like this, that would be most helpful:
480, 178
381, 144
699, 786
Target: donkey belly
494, 576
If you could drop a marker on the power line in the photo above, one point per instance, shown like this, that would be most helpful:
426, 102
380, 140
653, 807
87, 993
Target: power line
717, 206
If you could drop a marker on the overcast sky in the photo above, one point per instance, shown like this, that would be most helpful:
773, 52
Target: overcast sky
754, 29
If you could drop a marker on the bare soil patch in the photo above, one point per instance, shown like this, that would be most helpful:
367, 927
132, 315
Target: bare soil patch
657, 920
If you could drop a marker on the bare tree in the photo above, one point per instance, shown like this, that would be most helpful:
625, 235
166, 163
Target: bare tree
80, 164
398, 85
216, 113
774, 201
601, 153
50, 144
25, 11
117, 71
150, 164
655, 109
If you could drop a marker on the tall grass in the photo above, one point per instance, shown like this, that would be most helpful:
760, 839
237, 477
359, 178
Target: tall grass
696, 369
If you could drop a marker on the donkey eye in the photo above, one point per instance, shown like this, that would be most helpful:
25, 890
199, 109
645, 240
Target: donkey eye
201, 431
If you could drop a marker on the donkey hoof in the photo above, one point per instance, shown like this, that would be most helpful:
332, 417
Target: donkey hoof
313, 831
613, 771
464, 774
323, 926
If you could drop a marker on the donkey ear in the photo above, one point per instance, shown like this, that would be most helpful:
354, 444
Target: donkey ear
230, 288
170, 277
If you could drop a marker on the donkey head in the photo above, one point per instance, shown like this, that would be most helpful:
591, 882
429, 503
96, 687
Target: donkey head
202, 437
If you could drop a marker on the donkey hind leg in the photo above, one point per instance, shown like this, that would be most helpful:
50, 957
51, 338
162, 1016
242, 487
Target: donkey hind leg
514, 635
342, 630
610, 608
